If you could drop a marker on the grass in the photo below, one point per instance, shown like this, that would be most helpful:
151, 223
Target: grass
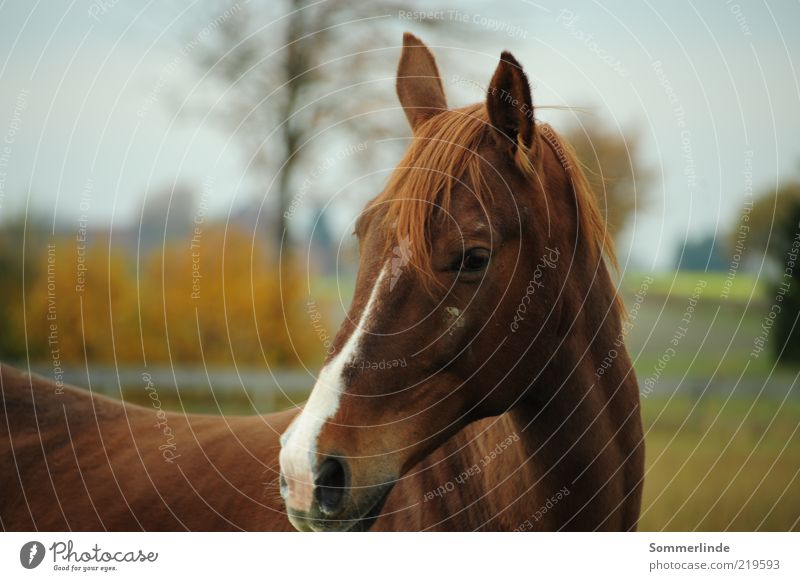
714, 465
742, 288
719, 332
198, 401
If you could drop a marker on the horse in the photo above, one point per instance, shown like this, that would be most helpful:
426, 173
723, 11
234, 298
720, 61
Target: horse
483, 265
485, 269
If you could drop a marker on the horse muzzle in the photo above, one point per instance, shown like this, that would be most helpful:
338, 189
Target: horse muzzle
334, 504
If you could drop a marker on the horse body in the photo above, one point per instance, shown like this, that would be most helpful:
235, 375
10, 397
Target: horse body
80, 461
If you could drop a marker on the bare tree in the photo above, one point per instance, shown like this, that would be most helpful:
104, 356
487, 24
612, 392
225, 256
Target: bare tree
295, 72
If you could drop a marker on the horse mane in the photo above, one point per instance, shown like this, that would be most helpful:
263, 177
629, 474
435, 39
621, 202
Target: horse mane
443, 154
591, 222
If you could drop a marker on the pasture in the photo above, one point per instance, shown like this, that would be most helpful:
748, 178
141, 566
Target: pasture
721, 464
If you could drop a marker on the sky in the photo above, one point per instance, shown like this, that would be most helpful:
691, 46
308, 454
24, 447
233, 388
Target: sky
95, 103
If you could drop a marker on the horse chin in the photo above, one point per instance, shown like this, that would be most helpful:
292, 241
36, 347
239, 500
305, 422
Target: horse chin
365, 522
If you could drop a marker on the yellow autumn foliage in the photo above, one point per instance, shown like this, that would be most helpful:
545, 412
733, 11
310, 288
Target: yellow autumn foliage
222, 300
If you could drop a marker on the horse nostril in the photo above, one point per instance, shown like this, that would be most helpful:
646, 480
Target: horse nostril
330, 485
284, 488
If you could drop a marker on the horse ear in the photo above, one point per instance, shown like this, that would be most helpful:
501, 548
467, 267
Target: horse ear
510, 107
419, 85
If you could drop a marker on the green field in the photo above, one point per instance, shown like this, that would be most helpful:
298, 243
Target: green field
720, 329
723, 449
715, 465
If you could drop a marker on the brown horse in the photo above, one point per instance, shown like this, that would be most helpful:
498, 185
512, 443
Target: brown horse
516, 407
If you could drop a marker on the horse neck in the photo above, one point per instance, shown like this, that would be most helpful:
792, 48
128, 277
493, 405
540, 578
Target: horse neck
580, 417
469, 483
569, 438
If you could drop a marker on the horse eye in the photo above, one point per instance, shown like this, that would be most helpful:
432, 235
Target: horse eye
474, 260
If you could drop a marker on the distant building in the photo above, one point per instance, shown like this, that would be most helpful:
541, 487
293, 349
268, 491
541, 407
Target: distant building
704, 253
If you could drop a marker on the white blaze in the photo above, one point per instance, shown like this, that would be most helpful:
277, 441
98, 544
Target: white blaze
299, 442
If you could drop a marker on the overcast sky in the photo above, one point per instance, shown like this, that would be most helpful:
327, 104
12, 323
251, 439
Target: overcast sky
89, 101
